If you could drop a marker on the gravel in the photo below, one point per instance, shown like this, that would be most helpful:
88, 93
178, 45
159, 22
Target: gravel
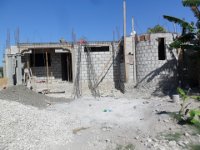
27, 123
25, 96
26, 127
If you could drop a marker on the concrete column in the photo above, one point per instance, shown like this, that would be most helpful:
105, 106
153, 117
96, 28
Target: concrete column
10, 70
19, 69
73, 52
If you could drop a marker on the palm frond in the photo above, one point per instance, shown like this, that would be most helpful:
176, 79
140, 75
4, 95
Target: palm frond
190, 47
183, 39
196, 12
181, 22
187, 37
191, 3
176, 44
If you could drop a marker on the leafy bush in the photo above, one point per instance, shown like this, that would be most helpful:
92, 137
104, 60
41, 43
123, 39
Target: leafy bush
194, 114
184, 104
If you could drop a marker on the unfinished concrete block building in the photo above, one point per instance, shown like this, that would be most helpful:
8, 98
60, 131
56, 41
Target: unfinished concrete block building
101, 65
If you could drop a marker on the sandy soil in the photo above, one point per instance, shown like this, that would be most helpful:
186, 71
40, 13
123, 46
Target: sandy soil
108, 123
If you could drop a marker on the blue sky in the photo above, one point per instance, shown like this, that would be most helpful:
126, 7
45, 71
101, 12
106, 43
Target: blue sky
51, 20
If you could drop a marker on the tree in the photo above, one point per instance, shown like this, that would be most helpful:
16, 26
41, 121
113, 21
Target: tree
190, 37
156, 29
188, 41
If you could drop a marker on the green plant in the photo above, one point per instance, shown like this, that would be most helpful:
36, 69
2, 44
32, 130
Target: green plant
196, 98
194, 116
126, 147
172, 136
189, 40
182, 93
176, 116
184, 104
190, 37
194, 147
157, 29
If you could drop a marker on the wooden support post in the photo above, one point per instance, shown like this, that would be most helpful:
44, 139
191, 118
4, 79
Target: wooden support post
28, 65
68, 70
47, 67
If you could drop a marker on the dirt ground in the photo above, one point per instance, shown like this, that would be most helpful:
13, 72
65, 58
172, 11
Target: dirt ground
131, 121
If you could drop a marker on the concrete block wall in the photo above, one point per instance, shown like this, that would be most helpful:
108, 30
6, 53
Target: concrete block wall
100, 62
150, 70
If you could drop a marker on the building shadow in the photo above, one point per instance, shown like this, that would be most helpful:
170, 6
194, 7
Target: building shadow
92, 77
163, 80
118, 59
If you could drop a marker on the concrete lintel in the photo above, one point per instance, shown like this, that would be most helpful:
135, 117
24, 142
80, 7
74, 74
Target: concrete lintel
62, 51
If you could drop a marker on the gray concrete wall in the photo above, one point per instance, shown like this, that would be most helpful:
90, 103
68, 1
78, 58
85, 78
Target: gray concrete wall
100, 62
10, 68
104, 65
151, 70
130, 45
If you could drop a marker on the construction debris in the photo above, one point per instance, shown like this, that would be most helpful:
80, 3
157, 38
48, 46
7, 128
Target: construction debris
25, 96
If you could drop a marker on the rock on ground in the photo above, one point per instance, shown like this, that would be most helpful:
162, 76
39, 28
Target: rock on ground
26, 127
135, 119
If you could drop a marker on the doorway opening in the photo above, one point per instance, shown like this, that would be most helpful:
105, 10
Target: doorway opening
161, 49
66, 60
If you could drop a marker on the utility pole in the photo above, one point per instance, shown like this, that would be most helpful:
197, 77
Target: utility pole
73, 37
134, 51
133, 25
125, 53
17, 36
8, 42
